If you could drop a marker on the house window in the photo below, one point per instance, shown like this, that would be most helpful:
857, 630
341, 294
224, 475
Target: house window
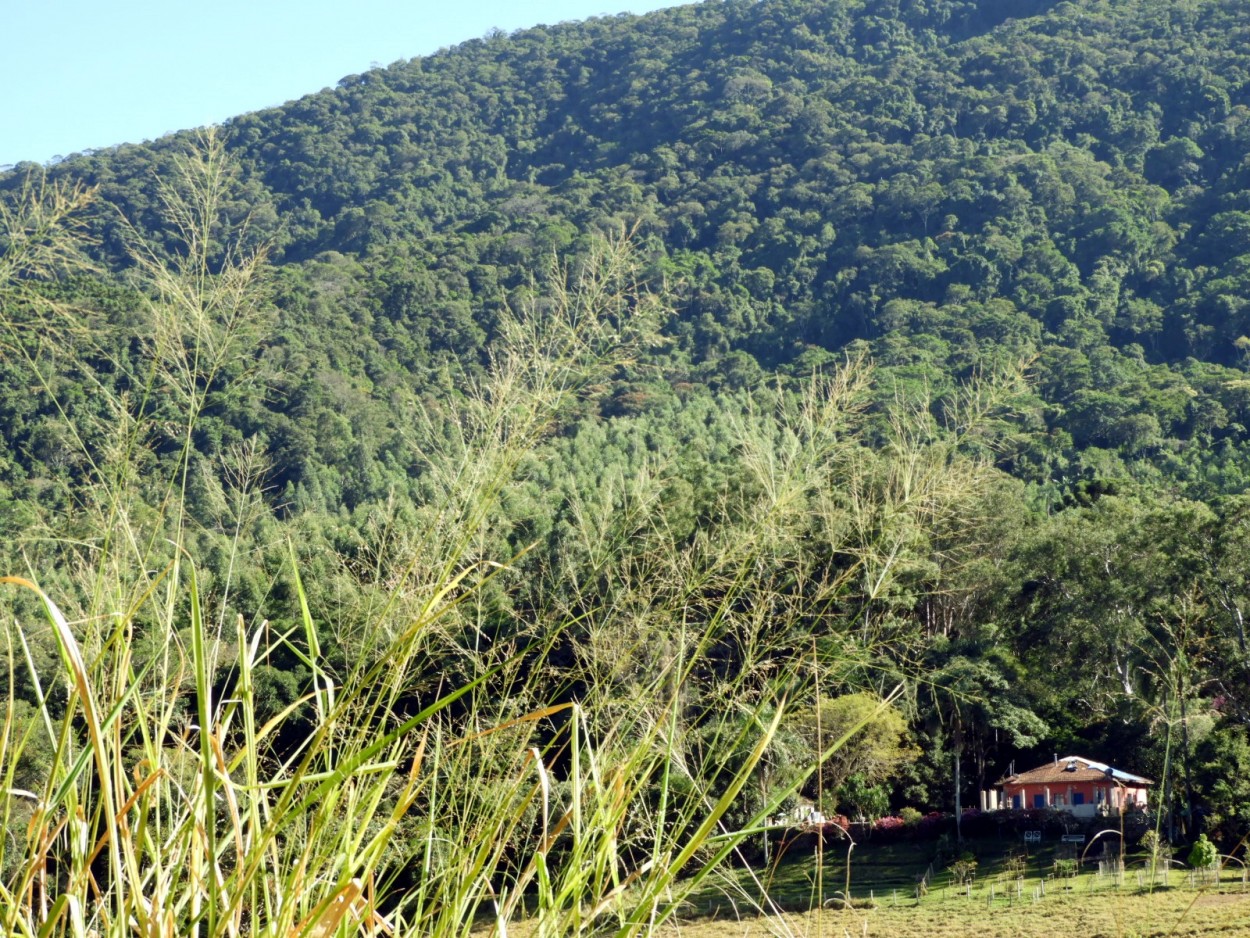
1078, 797
1017, 801
1039, 801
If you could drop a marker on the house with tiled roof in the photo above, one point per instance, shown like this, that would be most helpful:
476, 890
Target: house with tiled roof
1080, 786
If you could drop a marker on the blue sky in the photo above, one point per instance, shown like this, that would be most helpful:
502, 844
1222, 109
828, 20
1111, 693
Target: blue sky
83, 74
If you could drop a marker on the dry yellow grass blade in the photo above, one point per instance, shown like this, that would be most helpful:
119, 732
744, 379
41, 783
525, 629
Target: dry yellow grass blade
325, 920
125, 808
77, 668
527, 718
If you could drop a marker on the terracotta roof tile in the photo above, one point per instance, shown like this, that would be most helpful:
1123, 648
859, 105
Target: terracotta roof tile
1083, 770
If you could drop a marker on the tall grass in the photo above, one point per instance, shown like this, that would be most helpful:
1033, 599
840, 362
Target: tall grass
525, 792
166, 807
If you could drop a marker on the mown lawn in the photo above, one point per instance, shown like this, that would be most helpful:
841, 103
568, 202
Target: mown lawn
997, 905
1127, 915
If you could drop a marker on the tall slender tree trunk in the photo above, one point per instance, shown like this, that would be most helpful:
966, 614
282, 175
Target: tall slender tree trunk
958, 747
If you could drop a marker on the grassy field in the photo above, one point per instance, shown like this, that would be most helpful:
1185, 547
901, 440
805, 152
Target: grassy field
1104, 915
998, 904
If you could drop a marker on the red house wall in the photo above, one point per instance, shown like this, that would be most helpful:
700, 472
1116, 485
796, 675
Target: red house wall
1066, 795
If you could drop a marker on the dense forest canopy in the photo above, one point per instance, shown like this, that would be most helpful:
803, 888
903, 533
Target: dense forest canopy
1007, 242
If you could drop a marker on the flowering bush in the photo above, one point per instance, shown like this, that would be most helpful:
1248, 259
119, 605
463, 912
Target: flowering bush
932, 823
888, 823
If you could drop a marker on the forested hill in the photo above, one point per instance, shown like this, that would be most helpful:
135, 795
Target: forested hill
948, 189
950, 181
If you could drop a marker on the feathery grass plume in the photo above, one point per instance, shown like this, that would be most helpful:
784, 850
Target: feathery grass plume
572, 329
117, 555
40, 238
204, 305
